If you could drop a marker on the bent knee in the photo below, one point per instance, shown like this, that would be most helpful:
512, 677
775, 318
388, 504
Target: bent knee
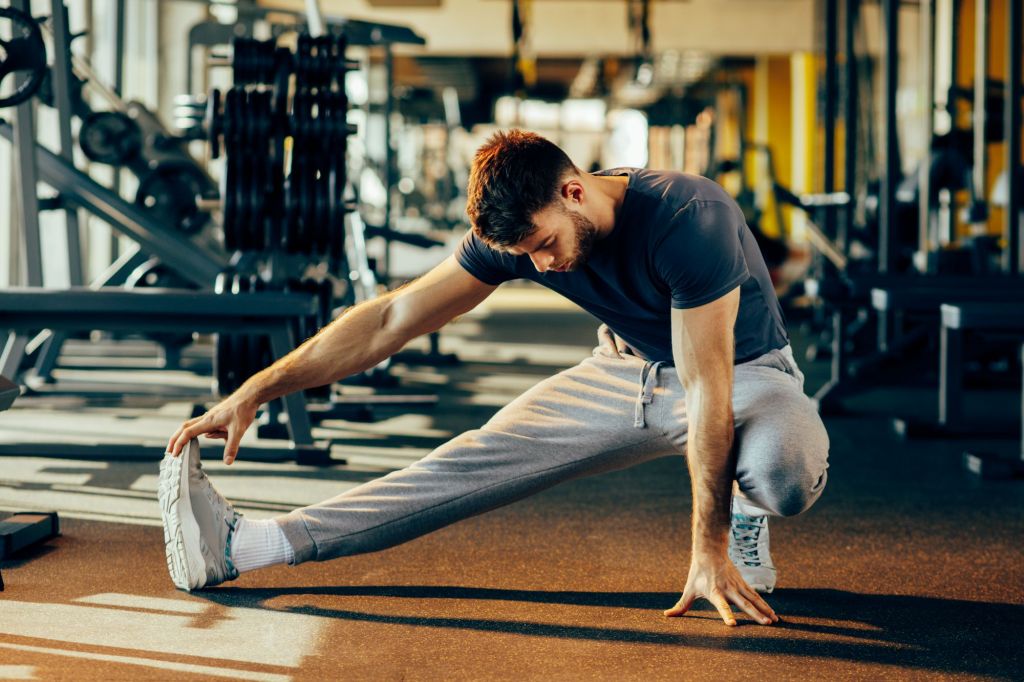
790, 500
785, 484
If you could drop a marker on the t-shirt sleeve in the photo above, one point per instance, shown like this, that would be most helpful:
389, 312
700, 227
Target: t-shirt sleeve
484, 263
700, 257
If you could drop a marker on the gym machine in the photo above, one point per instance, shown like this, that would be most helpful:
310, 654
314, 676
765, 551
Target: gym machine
168, 176
273, 224
936, 295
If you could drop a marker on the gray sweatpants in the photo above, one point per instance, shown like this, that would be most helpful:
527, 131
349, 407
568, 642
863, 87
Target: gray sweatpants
611, 411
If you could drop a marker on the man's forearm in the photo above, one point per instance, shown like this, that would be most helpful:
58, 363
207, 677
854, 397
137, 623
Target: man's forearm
712, 466
354, 342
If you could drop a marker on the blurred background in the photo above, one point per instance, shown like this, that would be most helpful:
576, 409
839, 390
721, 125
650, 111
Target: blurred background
191, 188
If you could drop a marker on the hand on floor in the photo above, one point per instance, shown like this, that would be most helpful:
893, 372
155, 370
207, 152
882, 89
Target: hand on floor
717, 580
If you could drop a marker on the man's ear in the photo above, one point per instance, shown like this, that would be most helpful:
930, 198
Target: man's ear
573, 191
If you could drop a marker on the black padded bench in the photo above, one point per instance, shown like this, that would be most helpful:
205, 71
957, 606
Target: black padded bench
927, 299
166, 310
1005, 319
896, 293
924, 298
986, 300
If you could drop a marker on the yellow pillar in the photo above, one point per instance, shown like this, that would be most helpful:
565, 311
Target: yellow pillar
771, 125
803, 70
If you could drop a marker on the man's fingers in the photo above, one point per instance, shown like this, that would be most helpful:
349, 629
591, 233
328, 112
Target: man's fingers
234, 436
184, 437
751, 610
217, 435
682, 606
759, 603
172, 444
722, 605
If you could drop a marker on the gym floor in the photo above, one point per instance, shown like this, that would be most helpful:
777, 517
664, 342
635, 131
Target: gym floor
907, 568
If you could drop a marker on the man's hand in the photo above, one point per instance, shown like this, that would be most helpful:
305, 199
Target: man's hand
717, 580
227, 420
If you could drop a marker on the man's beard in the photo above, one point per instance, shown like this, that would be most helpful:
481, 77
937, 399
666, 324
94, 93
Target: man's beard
586, 235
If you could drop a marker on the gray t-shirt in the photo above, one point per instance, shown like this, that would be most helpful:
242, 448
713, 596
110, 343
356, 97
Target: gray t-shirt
679, 241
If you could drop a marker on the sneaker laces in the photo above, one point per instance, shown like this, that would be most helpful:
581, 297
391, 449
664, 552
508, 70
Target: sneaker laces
746, 531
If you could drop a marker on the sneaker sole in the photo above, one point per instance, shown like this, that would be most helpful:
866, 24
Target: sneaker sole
181, 532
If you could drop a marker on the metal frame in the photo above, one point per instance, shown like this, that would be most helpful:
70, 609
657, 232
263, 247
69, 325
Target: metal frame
61, 74
195, 264
888, 236
829, 113
979, 212
927, 57
28, 204
957, 319
1013, 260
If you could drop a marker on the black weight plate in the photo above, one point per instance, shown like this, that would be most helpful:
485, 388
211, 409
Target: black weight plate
289, 214
335, 212
223, 365
110, 137
325, 294
264, 164
24, 55
323, 223
243, 193
229, 210
170, 192
214, 122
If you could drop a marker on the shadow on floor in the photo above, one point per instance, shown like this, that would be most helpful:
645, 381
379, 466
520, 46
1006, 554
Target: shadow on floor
942, 635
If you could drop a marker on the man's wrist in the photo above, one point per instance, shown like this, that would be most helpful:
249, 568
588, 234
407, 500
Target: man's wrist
250, 392
710, 547
710, 541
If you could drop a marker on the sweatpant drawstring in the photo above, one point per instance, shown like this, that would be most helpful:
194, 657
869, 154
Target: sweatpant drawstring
648, 382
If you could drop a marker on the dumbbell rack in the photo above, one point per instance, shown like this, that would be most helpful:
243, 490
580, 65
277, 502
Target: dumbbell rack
282, 128
282, 131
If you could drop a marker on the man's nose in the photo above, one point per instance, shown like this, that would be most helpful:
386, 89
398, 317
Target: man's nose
541, 262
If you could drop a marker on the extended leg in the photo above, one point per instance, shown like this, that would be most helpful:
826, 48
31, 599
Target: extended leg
576, 423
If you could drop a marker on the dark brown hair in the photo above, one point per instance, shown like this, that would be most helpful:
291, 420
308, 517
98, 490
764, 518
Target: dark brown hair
514, 175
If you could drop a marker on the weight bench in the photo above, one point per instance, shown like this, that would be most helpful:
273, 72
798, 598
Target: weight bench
1005, 319
24, 310
923, 299
848, 293
927, 301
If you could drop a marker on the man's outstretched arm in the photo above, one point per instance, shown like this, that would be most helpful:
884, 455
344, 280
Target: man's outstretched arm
702, 348
360, 338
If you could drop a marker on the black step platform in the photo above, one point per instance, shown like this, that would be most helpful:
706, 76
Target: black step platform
22, 530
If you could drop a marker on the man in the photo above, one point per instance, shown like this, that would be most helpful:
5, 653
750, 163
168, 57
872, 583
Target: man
693, 356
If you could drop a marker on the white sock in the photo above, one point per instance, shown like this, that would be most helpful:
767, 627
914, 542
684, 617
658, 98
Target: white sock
258, 544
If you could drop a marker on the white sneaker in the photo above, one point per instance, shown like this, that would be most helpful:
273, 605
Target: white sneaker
748, 548
198, 523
